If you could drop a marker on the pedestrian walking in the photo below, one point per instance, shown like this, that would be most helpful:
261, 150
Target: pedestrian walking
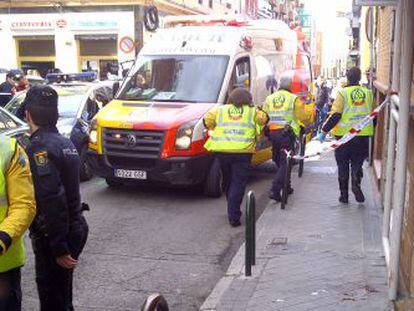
21, 83
285, 110
236, 126
352, 104
17, 210
322, 101
59, 231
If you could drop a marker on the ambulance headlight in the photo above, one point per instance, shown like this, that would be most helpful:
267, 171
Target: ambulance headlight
184, 135
93, 132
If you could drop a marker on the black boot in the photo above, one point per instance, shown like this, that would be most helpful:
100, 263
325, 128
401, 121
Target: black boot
343, 188
275, 195
290, 189
356, 187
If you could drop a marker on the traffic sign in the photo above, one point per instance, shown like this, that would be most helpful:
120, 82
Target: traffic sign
126, 44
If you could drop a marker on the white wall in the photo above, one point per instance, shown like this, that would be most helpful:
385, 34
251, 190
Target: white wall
8, 51
66, 50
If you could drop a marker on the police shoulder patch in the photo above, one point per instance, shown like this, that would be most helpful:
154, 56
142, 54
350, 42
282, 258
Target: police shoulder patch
41, 158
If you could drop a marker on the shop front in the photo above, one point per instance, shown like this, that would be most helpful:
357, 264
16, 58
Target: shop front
70, 42
98, 53
36, 53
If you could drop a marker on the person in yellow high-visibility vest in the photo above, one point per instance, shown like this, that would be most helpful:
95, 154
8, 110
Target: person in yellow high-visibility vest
235, 127
285, 109
351, 105
17, 210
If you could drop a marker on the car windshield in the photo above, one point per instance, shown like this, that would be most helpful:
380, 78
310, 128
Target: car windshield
185, 78
70, 99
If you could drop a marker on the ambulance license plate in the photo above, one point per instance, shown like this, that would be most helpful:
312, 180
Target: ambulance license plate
131, 174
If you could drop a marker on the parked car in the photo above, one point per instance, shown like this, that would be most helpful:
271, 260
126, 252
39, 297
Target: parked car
12, 126
78, 104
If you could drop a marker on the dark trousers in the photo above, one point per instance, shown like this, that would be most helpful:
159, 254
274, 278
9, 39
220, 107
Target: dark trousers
54, 283
236, 168
281, 140
350, 157
10, 290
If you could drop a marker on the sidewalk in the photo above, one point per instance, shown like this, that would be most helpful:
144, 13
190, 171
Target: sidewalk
315, 255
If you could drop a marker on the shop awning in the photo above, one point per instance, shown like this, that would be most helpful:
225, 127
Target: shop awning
97, 37
36, 37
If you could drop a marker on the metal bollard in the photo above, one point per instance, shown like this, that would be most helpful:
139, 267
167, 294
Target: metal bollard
250, 245
302, 152
288, 171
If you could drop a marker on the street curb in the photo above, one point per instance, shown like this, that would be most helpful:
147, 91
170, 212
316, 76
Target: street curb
236, 268
214, 298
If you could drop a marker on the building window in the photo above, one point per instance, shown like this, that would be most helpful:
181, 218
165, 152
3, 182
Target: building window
41, 47
210, 4
200, 2
36, 53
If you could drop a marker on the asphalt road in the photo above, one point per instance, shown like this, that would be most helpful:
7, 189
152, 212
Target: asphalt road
146, 240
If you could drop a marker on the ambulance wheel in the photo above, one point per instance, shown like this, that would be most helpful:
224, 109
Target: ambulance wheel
113, 183
213, 185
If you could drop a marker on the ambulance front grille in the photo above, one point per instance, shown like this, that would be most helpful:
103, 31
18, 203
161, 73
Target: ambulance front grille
130, 146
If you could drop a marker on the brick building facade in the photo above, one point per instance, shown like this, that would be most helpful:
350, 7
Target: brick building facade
385, 30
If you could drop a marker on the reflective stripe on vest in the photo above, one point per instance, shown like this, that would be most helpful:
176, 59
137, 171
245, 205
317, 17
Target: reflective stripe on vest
15, 256
234, 131
280, 110
358, 104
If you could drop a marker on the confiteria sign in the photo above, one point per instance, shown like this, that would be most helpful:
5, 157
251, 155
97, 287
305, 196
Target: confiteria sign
74, 24
31, 25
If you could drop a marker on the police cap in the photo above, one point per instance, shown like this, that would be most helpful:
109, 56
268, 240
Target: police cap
41, 95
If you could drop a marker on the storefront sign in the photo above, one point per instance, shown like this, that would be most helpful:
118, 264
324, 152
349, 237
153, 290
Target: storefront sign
23, 25
126, 44
96, 25
376, 2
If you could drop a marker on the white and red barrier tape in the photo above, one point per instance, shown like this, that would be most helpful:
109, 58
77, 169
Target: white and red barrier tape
347, 137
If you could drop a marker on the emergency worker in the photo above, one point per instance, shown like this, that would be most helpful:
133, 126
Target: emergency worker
17, 210
352, 104
236, 127
59, 230
285, 109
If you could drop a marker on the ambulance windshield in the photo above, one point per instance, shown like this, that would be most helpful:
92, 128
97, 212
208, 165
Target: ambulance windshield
175, 78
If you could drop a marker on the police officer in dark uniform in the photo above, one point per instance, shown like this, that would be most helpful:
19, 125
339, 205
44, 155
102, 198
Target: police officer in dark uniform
59, 231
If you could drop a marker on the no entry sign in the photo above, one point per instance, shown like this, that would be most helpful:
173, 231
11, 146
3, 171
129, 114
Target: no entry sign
126, 44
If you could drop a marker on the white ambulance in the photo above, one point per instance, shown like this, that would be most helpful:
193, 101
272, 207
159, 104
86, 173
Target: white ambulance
152, 132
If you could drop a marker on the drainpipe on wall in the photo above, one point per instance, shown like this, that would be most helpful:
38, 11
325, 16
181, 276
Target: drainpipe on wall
402, 141
372, 65
389, 168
